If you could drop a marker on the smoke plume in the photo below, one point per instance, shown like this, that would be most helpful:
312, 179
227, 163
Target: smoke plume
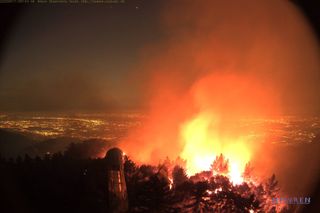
227, 60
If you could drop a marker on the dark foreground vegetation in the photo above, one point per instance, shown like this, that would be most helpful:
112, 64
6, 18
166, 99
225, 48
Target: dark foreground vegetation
72, 181
68, 183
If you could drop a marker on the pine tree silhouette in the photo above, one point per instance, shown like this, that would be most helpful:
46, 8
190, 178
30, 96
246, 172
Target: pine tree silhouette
220, 165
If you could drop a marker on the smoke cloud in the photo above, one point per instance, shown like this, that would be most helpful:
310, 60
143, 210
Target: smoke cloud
255, 59
235, 60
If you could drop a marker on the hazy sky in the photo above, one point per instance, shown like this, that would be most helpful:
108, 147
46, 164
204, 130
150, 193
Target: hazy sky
83, 57
75, 56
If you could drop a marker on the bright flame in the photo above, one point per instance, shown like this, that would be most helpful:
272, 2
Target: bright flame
209, 192
170, 183
217, 190
203, 142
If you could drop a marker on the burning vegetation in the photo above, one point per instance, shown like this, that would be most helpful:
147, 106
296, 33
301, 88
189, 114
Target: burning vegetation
168, 188
215, 65
71, 181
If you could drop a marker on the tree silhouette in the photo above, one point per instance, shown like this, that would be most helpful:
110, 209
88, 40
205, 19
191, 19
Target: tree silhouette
179, 176
220, 165
248, 170
69, 184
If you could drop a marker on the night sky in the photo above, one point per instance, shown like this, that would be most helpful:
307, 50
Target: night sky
85, 57
70, 57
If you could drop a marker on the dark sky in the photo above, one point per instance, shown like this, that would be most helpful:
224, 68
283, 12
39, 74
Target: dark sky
81, 57
66, 57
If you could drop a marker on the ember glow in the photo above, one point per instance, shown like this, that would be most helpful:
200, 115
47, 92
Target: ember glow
222, 101
206, 125
217, 69
203, 143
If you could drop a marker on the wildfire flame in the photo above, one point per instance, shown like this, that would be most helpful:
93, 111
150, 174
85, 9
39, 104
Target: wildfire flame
203, 143
204, 124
